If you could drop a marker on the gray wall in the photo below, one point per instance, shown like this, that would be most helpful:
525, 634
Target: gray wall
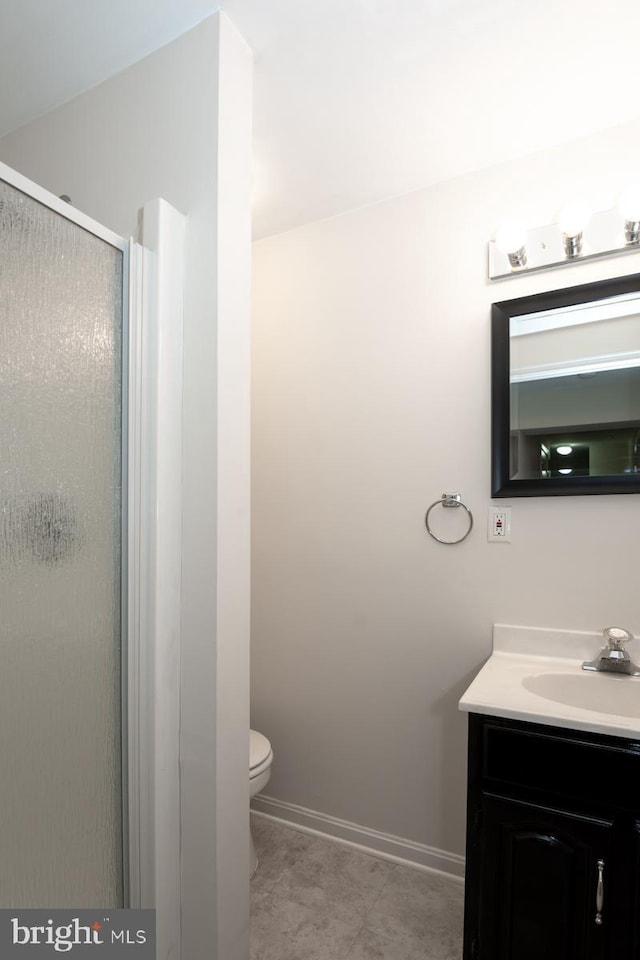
371, 397
177, 125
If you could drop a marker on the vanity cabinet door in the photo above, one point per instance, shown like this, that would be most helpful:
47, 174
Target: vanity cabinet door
539, 878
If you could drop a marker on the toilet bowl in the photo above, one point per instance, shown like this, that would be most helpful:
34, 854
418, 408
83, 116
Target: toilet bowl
260, 757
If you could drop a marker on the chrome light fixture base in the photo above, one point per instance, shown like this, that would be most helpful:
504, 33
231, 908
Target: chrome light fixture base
572, 244
632, 231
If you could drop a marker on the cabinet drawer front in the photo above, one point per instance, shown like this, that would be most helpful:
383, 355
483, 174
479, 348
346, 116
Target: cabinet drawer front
604, 772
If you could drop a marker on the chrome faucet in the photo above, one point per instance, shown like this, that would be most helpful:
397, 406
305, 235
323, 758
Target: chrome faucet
613, 658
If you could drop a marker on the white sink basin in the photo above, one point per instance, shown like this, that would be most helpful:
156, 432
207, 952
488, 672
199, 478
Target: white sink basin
599, 692
536, 674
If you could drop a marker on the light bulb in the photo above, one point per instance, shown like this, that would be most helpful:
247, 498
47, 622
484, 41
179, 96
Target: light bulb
574, 218
564, 450
511, 239
511, 236
629, 203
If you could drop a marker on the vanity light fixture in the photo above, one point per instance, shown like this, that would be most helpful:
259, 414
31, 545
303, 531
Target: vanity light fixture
578, 235
564, 450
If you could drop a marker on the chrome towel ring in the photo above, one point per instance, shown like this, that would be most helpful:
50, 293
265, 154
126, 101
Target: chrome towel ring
449, 500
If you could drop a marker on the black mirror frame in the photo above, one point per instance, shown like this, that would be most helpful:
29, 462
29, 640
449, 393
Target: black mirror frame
501, 483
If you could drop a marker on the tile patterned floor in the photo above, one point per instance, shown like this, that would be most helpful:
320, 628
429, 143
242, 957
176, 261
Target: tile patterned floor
312, 899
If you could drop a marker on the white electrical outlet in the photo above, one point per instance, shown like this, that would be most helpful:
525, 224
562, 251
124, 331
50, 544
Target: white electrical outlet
499, 530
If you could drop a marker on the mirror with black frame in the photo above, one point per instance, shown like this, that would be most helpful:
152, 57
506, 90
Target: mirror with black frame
566, 391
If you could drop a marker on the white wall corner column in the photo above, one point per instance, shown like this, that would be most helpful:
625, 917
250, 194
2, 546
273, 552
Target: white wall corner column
214, 746
233, 493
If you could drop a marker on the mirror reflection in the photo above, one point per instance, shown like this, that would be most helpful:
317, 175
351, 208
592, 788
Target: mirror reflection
567, 372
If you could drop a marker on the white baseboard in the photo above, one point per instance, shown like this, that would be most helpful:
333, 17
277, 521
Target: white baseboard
384, 845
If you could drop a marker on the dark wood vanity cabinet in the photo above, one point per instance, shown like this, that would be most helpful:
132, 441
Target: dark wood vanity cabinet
553, 844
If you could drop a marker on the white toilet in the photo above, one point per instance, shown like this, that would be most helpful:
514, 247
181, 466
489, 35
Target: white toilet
260, 757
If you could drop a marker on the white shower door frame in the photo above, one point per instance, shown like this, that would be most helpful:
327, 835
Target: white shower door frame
142, 568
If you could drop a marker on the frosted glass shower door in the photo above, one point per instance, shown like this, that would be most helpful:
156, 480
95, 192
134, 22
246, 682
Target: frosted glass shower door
61, 318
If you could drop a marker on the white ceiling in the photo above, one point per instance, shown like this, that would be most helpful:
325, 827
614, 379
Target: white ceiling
357, 100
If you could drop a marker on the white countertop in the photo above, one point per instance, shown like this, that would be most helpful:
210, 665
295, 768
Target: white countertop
536, 674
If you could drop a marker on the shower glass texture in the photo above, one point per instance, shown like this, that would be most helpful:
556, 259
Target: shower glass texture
60, 561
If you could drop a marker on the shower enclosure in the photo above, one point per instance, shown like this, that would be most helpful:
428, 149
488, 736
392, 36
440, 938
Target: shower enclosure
63, 557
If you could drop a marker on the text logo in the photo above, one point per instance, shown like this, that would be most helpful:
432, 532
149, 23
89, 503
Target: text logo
27, 934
